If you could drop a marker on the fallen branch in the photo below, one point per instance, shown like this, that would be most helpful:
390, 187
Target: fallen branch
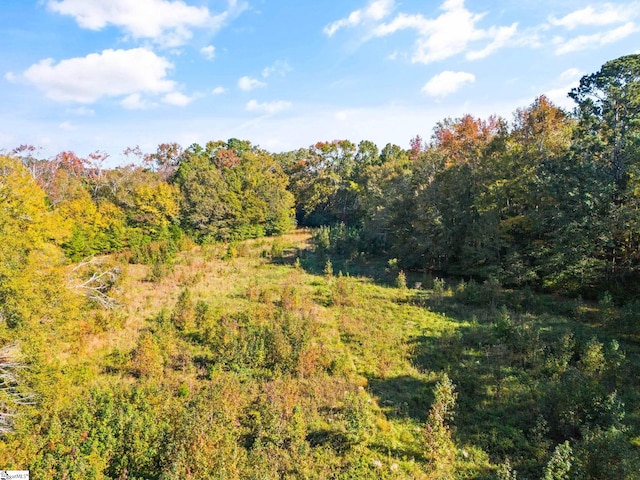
99, 284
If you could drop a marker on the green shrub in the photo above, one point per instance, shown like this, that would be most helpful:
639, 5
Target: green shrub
184, 311
401, 280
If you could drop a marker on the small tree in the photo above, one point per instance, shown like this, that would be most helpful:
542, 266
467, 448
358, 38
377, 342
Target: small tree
11, 396
328, 268
560, 463
147, 360
359, 417
439, 446
184, 311
401, 280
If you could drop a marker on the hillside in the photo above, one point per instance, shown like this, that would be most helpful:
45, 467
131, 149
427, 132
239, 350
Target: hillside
255, 360
465, 308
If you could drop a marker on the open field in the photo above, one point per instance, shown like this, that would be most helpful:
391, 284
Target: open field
262, 360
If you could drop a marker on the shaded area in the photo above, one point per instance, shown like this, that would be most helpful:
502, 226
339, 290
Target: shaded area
522, 375
403, 396
522, 363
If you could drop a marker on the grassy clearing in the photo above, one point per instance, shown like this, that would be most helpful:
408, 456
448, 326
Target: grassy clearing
320, 374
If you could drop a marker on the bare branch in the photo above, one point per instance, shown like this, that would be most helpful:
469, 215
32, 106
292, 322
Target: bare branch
11, 396
96, 281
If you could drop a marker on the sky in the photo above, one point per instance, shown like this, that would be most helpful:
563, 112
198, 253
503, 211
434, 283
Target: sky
105, 75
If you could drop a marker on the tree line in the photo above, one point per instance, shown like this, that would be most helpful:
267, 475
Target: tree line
548, 200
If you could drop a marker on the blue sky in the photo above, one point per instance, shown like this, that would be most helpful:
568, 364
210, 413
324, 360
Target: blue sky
89, 75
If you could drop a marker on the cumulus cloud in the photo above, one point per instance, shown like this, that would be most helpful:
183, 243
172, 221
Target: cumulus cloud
607, 14
453, 32
267, 107
583, 42
112, 73
446, 83
209, 52
167, 22
501, 36
247, 83
176, 98
375, 11
219, 90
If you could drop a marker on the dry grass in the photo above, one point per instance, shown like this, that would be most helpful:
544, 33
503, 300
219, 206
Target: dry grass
221, 283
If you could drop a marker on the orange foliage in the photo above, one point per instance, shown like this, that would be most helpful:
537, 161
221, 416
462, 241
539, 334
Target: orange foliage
464, 139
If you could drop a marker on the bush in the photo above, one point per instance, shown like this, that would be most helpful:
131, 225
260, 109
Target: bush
338, 239
440, 450
401, 280
184, 311
147, 359
358, 417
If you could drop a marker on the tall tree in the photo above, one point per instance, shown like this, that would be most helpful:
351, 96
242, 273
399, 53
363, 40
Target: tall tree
328, 181
233, 190
608, 137
540, 139
608, 109
31, 285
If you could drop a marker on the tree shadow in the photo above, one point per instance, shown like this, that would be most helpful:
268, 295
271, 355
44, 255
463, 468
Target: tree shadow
338, 441
315, 262
497, 405
403, 396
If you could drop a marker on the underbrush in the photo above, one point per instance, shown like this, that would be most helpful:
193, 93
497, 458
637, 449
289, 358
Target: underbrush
267, 359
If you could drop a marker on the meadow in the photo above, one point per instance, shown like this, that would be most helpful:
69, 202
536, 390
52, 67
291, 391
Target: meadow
270, 358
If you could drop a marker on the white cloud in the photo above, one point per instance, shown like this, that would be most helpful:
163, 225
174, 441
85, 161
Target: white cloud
176, 98
607, 14
449, 34
446, 83
343, 115
375, 11
67, 126
209, 52
402, 21
267, 107
247, 83
570, 75
566, 81
112, 73
83, 111
168, 22
278, 68
219, 90
134, 102
583, 42
502, 36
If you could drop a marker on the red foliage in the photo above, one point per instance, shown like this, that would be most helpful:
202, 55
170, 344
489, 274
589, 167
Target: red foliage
464, 139
226, 158
416, 146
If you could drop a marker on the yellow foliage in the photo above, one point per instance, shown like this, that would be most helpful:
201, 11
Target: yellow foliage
31, 280
156, 205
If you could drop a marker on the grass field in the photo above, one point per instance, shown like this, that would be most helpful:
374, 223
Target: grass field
264, 360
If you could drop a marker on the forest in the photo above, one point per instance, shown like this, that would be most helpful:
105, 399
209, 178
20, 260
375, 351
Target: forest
466, 308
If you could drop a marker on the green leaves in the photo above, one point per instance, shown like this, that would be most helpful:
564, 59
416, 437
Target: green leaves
608, 109
233, 191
